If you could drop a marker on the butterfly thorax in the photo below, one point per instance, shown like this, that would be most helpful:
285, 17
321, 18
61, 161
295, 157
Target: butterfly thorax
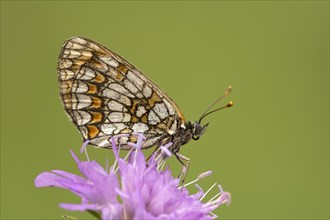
185, 134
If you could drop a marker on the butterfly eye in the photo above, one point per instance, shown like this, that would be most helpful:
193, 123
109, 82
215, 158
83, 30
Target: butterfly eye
195, 137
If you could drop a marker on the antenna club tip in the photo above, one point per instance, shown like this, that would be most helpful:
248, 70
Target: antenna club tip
230, 104
228, 90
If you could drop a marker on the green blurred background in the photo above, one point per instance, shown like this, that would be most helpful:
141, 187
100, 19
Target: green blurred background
271, 150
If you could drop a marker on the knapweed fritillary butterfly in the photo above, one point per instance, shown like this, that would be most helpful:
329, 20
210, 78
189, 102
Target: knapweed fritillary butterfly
104, 95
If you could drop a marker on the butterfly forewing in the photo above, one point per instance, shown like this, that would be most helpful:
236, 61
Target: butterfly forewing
104, 95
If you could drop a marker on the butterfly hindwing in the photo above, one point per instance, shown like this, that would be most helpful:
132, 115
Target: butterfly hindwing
104, 95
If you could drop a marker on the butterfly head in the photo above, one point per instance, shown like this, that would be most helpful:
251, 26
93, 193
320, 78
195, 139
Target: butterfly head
198, 130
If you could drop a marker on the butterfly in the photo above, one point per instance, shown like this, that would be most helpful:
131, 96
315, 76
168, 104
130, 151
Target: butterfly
104, 95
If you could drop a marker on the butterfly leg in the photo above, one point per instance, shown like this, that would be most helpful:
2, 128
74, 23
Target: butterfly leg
154, 151
185, 161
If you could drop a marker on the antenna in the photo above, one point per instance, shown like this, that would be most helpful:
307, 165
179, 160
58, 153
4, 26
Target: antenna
230, 104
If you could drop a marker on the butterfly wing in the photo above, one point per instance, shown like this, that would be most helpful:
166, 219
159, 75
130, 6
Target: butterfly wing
104, 95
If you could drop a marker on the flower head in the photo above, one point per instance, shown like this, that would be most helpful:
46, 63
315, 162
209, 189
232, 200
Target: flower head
133, 190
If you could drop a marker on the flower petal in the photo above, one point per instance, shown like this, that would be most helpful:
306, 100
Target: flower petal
79, 207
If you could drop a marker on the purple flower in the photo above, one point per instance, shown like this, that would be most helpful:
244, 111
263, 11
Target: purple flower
133, 189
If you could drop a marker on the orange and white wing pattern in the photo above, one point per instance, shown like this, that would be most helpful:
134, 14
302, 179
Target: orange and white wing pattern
105, 95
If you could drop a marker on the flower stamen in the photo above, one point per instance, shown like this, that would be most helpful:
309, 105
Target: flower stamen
211, 200
214, 216
83, 146
161, 164
84, 149
200, 176
207, 192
